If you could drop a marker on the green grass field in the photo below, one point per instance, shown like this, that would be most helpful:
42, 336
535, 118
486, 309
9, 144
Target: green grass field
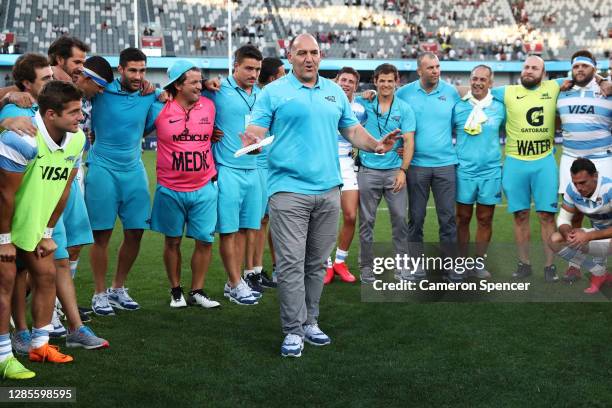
382, 354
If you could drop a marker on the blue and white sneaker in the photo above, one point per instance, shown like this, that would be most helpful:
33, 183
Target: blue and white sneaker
292, 346
314, 335
100, 305
120, 299
59, 330
227, 288
242, 295
21, 342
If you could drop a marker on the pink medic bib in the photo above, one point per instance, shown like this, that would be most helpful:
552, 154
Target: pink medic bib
184, 154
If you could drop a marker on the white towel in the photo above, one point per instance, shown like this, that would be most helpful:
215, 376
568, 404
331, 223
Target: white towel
477, 117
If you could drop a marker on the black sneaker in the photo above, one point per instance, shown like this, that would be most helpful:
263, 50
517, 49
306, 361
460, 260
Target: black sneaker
550, 274
522, 271
85, 318
252, 279
266, 281
85, 310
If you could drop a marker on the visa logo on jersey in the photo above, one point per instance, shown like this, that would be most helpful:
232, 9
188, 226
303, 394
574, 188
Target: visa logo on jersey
582, 109
54, 173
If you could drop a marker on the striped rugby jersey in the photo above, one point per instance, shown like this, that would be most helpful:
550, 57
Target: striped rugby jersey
586, 121
344, 146
598, 207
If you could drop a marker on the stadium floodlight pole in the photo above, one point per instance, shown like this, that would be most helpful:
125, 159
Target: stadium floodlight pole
136, 24
229, 36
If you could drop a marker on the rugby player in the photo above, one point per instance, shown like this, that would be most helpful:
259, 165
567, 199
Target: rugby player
37, 174
348, 79
477, 120
586, 122
590, 193
186, 195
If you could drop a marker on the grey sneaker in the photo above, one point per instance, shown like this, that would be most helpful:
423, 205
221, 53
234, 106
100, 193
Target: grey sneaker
21, 342
85, 337
522, 271
550, 274
367, 276
453, 277
480, 273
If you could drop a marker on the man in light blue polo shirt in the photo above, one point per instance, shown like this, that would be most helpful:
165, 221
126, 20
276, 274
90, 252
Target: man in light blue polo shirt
477, 120
433, 164
116, 183
304, 112
384, 175
239, 203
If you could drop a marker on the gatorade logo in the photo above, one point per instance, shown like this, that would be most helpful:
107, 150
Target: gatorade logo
54, 173
535, 116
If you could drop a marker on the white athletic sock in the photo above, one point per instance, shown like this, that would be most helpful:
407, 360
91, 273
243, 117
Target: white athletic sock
6, 350
329, 262
341, 255
248, 271
73, 267
40, 336
258, 269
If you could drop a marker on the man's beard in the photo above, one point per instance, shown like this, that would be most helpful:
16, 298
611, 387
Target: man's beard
530, 83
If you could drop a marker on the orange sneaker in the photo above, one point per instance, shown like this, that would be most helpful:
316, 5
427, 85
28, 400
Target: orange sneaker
49, 353
329, 275
342, 270
596, 282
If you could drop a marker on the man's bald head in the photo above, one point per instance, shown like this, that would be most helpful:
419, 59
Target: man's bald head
304, 56
297, 41
533, 71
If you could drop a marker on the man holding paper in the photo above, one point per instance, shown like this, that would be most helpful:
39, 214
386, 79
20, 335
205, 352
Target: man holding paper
304, 112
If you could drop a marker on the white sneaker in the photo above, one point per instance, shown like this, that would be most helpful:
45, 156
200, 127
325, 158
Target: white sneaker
242, 295
180, 302
200, 298
227, 288
58, 328
100, 305
480, 273
292, 346
315, 336
120, 299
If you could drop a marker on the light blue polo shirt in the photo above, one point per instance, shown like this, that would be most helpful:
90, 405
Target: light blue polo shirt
305, 121
479, 155
433, 143
118, 120
14, 111
234, 107
399, 116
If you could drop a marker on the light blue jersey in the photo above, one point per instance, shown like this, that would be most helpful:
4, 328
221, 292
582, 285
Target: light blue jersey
433, 143
586, 122
303, 158
479, 155
234, 108
399, 116
118, 120
598, 207
13, 111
